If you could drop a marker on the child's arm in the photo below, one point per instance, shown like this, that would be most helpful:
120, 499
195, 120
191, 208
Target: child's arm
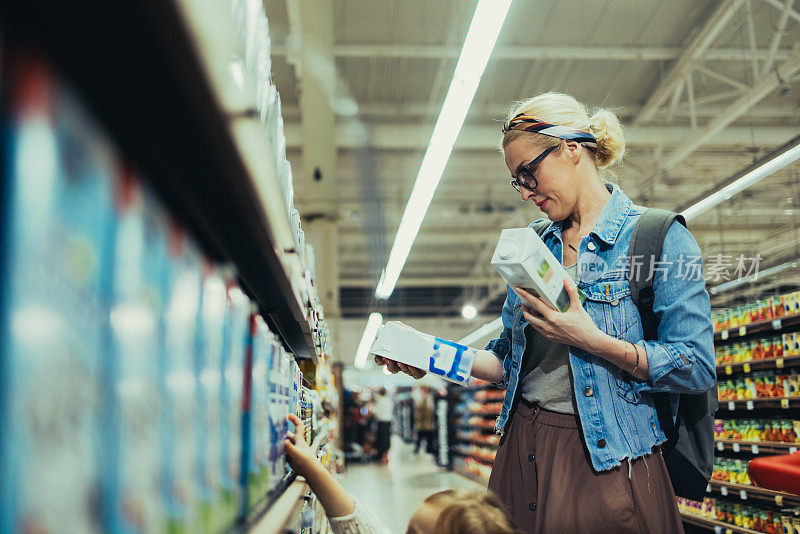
333, 497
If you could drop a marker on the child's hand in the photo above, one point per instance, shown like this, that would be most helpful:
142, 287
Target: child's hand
301, 457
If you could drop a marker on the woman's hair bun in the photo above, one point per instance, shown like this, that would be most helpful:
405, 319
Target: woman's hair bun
607, 129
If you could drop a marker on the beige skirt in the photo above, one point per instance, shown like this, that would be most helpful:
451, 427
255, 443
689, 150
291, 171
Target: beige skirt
544, 476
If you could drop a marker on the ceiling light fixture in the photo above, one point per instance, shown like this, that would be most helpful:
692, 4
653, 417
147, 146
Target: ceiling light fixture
753, 277
767, 165
481, 37
469, 311
374, 321
482, 332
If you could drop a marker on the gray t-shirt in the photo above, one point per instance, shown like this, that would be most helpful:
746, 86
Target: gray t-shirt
547, 380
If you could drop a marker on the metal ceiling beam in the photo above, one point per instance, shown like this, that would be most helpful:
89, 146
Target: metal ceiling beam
529, 53
695, 51
291, 113
403, 136
714, 128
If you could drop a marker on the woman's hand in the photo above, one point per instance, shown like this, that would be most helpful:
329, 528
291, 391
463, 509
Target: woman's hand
573, 327
301, 457
395, 367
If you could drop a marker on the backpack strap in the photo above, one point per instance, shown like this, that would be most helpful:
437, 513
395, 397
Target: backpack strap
647, 242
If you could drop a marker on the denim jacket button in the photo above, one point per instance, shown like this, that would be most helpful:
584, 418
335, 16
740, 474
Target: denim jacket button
588, 391
615, 302
591, 246
601, 443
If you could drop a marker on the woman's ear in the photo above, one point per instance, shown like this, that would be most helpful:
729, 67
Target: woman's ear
574, 151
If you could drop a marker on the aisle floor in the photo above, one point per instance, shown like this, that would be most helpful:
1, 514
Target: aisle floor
394, 491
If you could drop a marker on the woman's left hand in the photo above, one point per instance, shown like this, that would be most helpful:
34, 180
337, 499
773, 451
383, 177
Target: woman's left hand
573, 327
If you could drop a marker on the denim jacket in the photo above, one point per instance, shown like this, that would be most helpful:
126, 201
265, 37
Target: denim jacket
617, 416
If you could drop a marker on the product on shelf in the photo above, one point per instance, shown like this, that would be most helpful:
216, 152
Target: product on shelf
209, 360
57, 218
755, 518
131, 436
767, 348
777, 430
760, 385
182, 283
446, 359
730, 470
761, 310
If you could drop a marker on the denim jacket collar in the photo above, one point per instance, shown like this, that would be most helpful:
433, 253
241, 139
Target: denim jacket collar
611, 218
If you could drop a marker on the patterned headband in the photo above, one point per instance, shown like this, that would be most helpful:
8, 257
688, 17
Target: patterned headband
526, 123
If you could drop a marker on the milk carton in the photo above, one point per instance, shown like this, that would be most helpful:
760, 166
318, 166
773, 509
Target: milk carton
447, 359
208, 366
57, 234
523, 260
237, 332
179, 383
132, 395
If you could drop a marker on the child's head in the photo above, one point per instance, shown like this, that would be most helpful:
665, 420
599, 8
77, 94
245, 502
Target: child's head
461, 512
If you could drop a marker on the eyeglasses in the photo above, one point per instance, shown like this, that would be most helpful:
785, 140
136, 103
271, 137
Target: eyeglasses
525, 178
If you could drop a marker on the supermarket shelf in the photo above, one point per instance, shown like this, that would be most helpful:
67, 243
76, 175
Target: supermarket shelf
471, 427
177, 134
769, 326
472, 476
756, 447
755, 493
475, 441
473, 413
756, 404
713, 524
285, 508
483, 459
758, 365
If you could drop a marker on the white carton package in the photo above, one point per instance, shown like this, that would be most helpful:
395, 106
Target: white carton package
523, 260
447, 359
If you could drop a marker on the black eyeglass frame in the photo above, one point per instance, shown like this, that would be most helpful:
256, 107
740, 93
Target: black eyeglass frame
529, 169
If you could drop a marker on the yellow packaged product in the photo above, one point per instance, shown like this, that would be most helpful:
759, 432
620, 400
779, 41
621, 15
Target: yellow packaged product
788, 345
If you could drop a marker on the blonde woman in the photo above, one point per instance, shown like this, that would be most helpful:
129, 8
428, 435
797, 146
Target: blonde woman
580, 435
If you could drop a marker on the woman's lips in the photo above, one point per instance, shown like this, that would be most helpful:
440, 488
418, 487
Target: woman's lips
541, 204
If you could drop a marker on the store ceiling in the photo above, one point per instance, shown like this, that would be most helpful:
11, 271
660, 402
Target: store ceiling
673, 70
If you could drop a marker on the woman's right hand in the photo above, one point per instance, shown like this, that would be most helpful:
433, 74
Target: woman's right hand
395, 367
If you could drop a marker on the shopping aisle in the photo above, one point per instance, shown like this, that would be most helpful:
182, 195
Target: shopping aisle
393, 492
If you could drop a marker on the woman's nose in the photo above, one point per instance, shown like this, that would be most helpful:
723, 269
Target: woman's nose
527, 194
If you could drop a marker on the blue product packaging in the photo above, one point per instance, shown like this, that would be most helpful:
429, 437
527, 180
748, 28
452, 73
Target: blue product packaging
237, 332
57, 238
132, 397
178, 383
209, 370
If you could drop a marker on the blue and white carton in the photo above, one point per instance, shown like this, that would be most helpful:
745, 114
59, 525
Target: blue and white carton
446, 359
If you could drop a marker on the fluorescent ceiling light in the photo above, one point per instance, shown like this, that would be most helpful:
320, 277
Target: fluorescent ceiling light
483, 331
753, 277
481, 37
779, 159
374, 321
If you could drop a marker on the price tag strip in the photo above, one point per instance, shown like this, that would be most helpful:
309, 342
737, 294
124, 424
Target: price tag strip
731, 406
723, 490
720, 446
736, 447
777, 324
755, 449
724, 334
743, 495
742, 330
750, 405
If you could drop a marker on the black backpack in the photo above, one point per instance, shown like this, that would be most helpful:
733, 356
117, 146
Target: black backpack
689, 449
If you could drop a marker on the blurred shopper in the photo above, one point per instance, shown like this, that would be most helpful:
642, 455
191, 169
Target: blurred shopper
580, 446
423, 419
384, 413
445, 512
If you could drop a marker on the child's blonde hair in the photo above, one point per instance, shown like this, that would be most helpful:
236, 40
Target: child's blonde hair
470, 512
565, 110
